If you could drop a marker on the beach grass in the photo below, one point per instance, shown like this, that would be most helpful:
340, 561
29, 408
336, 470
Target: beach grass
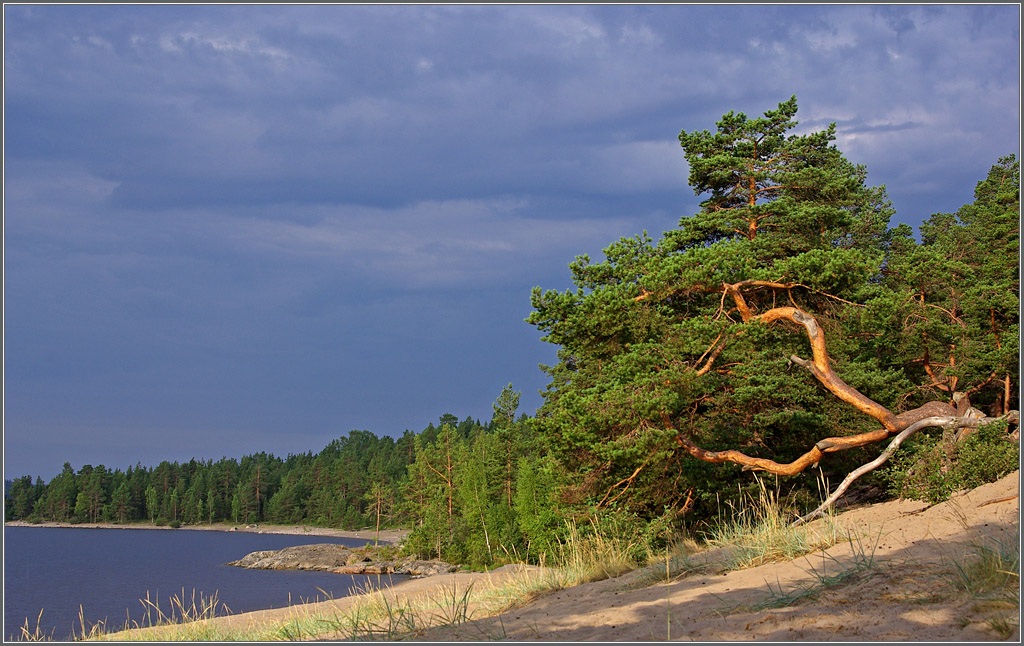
372, 615
759, 530
988, 572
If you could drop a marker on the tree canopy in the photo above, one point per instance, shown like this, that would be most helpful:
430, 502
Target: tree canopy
768, 321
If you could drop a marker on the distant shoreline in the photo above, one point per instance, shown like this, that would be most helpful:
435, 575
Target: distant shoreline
391, 536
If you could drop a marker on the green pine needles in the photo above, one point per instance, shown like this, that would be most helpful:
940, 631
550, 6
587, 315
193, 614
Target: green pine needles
782, 326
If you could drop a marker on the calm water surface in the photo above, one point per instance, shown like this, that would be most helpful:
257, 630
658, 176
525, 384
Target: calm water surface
108, 572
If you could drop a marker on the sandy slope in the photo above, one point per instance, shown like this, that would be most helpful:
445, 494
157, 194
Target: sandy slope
907, 594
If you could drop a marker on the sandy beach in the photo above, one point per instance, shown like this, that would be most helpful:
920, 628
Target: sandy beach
908, 591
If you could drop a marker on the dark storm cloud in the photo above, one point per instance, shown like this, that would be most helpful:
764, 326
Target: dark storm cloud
399, 110
257, 227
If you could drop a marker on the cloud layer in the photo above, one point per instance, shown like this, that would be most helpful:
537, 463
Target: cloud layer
240, 228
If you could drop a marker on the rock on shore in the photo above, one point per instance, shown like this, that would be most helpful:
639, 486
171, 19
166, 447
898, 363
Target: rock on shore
329, 557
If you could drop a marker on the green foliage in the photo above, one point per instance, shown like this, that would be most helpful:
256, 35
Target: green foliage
650, 344
952, 315
662, 338
466, 493
536, 507
432, 497
329, 488
932, 467
21, 499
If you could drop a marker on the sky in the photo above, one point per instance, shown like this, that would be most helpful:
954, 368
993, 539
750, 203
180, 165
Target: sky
240, 228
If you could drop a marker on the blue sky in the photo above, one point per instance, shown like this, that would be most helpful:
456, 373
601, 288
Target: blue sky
231, 228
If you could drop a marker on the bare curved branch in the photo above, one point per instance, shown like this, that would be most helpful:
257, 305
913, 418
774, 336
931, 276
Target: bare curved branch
821, 368
801, 464
749, 463
947, 422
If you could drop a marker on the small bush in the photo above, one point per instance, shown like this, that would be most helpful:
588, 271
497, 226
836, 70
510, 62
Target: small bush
987, 455
934, 467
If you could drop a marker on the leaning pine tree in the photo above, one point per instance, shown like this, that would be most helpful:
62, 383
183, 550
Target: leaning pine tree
740, 338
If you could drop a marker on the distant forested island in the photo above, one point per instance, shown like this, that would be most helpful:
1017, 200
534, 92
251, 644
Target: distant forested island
785, 329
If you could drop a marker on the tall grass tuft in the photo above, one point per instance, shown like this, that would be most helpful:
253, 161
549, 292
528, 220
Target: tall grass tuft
182, 609
184, 620
989, 572
453, 605
676, 560
29, 634
831, 573
759, 531
377, 616
593, 556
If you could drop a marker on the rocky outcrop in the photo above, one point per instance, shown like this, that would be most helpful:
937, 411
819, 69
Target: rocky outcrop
410, 567
324, 557
329, 557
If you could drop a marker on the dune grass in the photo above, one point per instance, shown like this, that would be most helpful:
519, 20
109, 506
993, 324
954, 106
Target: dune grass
988, 571
759, 530
376, 614
830, 573
29, 634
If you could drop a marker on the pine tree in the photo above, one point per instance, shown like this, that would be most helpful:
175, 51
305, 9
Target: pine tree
686, 347
952, 316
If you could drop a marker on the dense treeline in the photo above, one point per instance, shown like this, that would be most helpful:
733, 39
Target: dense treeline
330, 488
471, 492
679, 361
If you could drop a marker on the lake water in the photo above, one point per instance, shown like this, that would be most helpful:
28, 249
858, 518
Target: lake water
109, 571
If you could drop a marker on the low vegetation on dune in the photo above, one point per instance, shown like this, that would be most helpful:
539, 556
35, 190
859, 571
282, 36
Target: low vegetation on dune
973, 577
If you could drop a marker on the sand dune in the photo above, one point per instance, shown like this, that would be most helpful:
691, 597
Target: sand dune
907, 595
